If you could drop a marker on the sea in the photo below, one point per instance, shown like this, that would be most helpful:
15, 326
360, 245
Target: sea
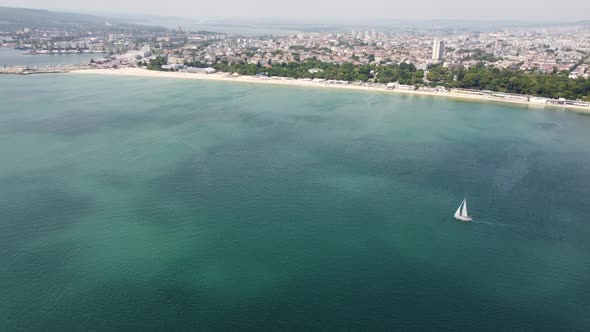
134, 204
11, 57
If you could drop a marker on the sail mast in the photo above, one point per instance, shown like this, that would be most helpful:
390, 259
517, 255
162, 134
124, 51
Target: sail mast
464, 210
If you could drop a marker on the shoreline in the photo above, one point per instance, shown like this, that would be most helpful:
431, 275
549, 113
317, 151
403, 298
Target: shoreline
226, 77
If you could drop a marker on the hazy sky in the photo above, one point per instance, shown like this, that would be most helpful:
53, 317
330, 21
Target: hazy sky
331, 9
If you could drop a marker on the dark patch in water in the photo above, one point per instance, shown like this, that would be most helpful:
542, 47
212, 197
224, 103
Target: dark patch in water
115, 180
547, 125
77, 123
41, 211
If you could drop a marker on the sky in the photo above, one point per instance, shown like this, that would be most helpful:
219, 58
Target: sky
330, 10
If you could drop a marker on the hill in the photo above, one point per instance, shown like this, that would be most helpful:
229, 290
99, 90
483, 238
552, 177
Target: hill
15, 18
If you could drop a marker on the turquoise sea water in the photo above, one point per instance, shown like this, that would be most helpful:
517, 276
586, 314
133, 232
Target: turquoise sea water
161, 204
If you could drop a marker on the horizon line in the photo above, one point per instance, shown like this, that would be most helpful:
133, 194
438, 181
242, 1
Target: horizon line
314, 21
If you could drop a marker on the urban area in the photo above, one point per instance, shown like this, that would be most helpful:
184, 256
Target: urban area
550, 64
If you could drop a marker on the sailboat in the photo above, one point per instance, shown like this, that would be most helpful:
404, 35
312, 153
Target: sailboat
461, 213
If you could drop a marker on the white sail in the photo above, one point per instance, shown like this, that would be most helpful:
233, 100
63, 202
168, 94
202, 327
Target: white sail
464, 211
461, 213
458, 212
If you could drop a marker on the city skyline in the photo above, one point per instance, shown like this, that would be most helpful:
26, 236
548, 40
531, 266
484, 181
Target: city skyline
328, 10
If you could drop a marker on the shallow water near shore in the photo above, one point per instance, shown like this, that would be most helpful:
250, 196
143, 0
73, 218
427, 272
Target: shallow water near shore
226, 77
130, 203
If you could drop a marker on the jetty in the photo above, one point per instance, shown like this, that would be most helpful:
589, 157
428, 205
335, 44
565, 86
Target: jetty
20, 70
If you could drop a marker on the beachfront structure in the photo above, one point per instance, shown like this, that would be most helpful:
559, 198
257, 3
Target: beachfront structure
195, 70
438, 49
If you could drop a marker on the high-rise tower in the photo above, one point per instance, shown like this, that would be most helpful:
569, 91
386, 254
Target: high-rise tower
438, 49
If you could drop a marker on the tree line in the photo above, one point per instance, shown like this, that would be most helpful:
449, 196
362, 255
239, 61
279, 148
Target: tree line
402, 73
480, 76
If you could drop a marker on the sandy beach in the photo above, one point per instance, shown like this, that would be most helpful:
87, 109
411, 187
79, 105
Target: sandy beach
226, 77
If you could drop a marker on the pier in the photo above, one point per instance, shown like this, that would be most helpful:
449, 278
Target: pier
19, 70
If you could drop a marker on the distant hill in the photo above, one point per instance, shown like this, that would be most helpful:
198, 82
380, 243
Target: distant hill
11, 18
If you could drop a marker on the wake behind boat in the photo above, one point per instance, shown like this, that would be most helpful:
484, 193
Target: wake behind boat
461, 213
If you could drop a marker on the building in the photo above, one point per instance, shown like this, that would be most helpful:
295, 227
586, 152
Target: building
145, 51
438, 49
173, 67
195, 70
176, 60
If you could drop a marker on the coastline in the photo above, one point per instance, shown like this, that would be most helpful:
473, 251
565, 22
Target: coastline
226, 77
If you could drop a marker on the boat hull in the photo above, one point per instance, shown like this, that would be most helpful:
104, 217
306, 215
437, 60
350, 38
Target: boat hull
465, 219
